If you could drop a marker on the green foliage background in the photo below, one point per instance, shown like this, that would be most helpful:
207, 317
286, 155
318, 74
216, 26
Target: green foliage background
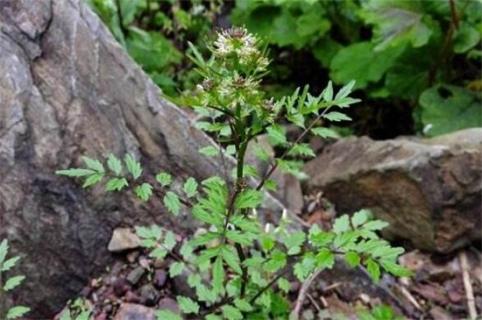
416, 63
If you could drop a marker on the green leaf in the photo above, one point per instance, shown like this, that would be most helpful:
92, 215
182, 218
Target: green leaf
325, 132
375, 225
172, 203
8, 264
17, 312
360, 218
164, 178
465, 38
301, 149
239, 237
187, 305
13, 282
352, 258
170, 240
218, 275
116, 184
325, 259
328, 92
190, 187
114, 164
446, 108
144, 191
373, 270
345, 90
395, 269
249, 198
3, 251
232, 313
92, 180
158, 253
284, 285
75, 172
152, 232
133, 166
293, 241
167, 315
336, 116
230, 256
176, 269
341, 224
209, 151
276, 135
93, 164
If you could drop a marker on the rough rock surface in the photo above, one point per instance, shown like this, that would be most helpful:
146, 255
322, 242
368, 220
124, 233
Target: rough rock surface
123, 239
129, 311
68, 89
429, 190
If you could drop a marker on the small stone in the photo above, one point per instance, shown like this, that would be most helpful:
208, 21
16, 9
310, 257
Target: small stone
168, 304
160, 278
123, 239
135, 275
132, 256
145, 262
149, 295
132, 297
121, 286
130, 311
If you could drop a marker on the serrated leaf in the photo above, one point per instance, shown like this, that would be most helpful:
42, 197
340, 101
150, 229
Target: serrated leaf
9, 264
218, 275
231, 257
243, 305
170, 240
284, 285
325, 259
301, 149
92, 180
336, 116
345, 90
187, 305
164, 178
116, 184
328, 92
133, 166
293, 241
114, 164
352, 258
167, 315
359, 218
325, 132
172, 202
373, 270
249, 198
17, 312
239, 237
176, 268
13, 282
276, 135
75, 172
152, 232
190, 187
209, 151
375, 225
3, 250
93, 164
144, 191
341, 224
231, 312
158, 253
395, 269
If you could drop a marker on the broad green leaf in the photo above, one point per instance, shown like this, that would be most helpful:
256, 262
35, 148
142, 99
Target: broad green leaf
153, 232
301, 149
239, 237
352, 258
325, 132
167, 315
465, 38
133, 166
144, 191
360, 217
172, 202
375, 225
276, 135
249, 198
158, 253
170, 240
176, 268
293, 241
93, 164
114, 164
75, 172
325, 259
164, 178
190, 187
187, 305
92, 180
243, 305
284, 285
373, 270
17, 312
446, 108
13, 282
341, 224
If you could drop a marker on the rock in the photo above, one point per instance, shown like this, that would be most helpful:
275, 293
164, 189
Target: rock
135, 275
168, 304
160, 277
429, 190
120, 286
123, 239
68, 89
130, 311
149, 295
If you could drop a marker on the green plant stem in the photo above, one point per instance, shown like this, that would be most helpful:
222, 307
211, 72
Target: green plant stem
3, 299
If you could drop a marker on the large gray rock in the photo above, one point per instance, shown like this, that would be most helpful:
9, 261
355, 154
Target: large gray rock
67, 89
430, 191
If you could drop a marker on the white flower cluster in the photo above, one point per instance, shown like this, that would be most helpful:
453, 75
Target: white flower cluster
238, 42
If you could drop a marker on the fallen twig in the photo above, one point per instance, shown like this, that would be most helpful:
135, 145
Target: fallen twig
468, 286
295, 314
